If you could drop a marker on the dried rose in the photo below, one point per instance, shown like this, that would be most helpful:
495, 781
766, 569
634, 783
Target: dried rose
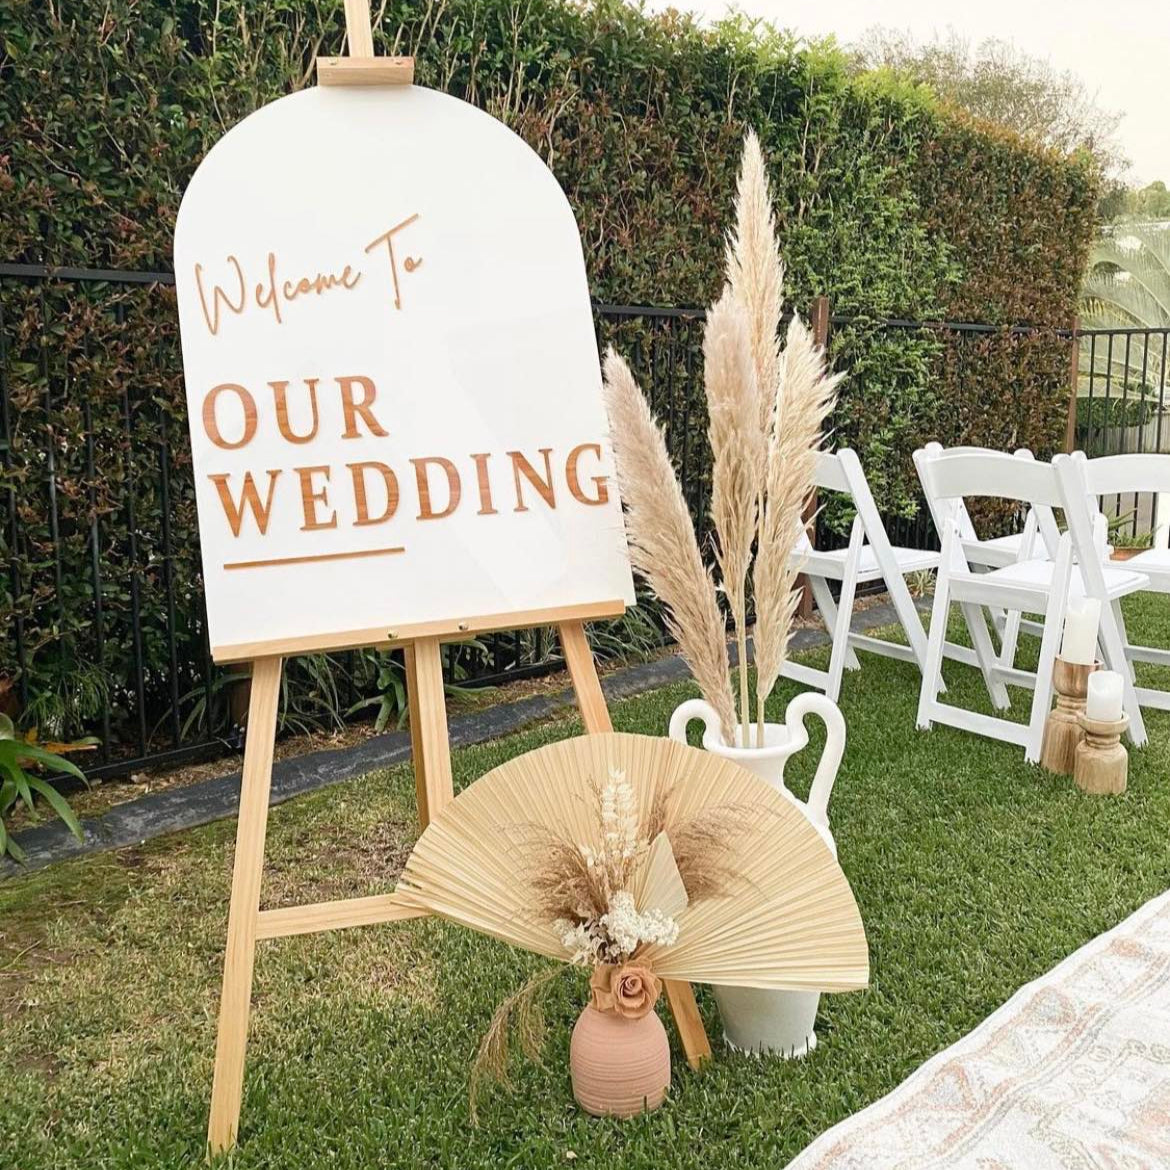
630, 991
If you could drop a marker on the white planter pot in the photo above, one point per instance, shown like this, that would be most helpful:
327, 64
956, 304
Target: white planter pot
754, 1020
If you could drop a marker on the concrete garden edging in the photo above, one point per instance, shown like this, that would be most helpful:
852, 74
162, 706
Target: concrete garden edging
174, 809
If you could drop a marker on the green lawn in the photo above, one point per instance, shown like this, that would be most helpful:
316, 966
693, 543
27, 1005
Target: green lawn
974, 872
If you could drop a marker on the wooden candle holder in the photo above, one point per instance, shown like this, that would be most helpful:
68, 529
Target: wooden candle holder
1102, 763
1063, 731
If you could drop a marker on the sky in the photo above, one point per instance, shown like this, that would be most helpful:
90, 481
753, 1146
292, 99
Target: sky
1119, 48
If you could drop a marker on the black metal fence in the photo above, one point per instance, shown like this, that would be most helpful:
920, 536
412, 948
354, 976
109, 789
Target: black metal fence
1121, 408
101, 579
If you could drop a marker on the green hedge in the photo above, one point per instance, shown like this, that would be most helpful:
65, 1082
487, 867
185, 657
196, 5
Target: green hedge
888, 205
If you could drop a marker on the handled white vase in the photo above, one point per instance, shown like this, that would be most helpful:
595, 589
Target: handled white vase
779, 1022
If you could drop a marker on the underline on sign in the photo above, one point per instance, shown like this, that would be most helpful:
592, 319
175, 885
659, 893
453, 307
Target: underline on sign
341, 556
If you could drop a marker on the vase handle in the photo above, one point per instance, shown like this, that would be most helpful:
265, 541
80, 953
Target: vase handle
695, 709
814, 703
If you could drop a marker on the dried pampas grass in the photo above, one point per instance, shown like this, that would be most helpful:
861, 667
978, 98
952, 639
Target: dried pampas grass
739, 457
807, 397
704, 845
767, 408
519, 1017
755, 273
662, 540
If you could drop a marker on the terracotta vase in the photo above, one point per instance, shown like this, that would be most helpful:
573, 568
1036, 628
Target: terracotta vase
619, 1066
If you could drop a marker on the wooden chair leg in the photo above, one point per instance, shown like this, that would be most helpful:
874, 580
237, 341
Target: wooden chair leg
998, 620
1113, 642
236, 998
1010, 639
1049, 644
936, 639
828, 610
985, 653
908, 615
429, 744
1119, 618
840, 633
595, 715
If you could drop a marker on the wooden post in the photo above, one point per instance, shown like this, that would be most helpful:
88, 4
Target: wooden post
820, 321
1074, 380
243, 916
361, 67
583, 672
430, 746
359, 32
239, 699
1063, 730
681, 998
820, 332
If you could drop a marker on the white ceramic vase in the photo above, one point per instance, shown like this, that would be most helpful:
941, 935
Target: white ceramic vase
779, 1022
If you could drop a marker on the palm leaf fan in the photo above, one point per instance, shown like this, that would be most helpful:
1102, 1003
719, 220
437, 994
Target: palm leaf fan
776, 913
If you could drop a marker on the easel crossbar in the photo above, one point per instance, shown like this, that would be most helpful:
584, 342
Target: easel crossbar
318, 916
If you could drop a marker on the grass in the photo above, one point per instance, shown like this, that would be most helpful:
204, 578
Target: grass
974, 872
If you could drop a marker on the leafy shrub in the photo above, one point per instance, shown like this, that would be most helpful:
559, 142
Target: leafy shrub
19, 787
1129, 405
1123, 532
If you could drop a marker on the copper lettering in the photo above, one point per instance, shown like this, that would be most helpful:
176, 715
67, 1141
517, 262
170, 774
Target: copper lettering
426, 508
249, 498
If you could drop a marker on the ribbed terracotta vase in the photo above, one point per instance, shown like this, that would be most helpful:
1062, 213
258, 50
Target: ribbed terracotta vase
619, 1066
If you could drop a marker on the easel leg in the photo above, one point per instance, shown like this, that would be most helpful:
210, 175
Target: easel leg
595, 716
235, 1001
583, 672
681, 997
429, 744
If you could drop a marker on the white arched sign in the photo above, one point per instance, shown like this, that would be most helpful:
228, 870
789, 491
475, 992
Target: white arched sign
392, 379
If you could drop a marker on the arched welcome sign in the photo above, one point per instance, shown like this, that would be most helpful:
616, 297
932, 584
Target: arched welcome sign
392, 379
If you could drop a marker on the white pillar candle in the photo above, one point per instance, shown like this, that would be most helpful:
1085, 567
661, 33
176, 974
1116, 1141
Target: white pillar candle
1104, 700
1080, 631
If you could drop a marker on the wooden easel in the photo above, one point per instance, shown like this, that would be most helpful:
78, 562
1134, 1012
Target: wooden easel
430, 747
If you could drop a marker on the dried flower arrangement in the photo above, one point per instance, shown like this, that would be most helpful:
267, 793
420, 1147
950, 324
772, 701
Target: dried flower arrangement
673, 866
608, 904
766, 407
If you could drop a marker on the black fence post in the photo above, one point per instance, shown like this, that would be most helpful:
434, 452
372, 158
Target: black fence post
820, 332
1074, 370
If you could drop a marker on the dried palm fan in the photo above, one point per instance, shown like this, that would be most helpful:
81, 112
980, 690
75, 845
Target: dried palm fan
768, 906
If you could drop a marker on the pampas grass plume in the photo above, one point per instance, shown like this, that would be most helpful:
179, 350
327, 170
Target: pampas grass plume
739, 457
807, 396
661, 537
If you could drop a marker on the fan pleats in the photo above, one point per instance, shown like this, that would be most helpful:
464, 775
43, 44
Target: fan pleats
790, 921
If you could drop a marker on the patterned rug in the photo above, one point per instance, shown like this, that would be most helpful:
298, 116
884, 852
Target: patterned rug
1073, 1072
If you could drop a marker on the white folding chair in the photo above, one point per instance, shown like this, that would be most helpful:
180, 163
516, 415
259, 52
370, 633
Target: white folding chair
1036, 585
999, 551
1121, 475
869, 556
